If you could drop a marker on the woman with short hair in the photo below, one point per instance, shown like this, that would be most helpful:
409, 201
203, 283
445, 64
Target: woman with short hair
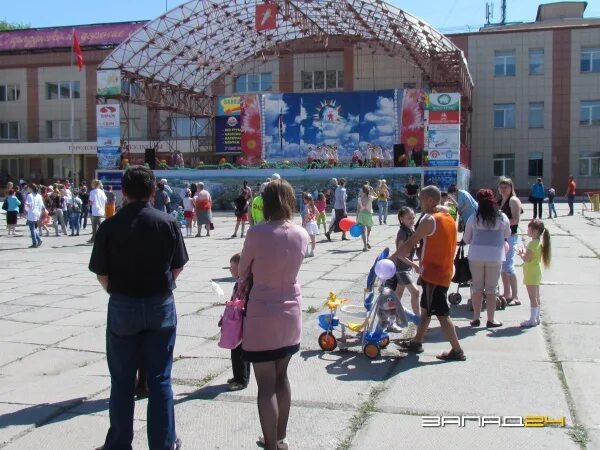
272, 255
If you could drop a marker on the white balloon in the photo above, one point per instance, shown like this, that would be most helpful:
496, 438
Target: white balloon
385, 269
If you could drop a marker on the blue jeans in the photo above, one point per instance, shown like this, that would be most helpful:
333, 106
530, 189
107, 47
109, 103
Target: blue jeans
551, 209
74, 222
508, 266
35, 236
382, 206
146, 328
571, 201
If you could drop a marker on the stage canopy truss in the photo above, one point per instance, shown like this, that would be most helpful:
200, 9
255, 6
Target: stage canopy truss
174, 59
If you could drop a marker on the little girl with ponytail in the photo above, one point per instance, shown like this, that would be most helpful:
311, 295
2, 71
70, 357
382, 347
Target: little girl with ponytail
538, 251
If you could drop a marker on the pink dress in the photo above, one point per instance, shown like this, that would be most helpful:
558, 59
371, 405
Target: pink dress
273, 254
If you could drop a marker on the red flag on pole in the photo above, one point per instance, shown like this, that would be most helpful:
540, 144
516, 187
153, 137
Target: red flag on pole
78, 52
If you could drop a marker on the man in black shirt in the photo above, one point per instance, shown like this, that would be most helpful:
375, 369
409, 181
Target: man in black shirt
137, 256
412, 192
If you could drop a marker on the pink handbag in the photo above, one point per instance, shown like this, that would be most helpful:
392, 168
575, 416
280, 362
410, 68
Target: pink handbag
232, 320
231, 324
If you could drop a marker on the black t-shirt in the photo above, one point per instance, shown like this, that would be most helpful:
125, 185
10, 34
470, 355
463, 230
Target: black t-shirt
412, 189
138, 248
85, 199
404, 234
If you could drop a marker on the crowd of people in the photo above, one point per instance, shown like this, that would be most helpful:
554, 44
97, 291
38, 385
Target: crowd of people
140, 279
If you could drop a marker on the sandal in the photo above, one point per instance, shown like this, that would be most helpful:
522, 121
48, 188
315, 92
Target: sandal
282, 444
411, 346
512, 302
452, 355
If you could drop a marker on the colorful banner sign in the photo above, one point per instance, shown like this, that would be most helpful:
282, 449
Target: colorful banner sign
108, 131
443, 130
96, 35
109, 157
108, 82
440, 178
412, 119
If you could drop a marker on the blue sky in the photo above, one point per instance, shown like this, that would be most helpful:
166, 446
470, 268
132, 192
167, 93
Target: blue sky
446, 15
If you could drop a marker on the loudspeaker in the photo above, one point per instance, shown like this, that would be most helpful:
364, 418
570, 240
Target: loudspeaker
398, 152
150, 157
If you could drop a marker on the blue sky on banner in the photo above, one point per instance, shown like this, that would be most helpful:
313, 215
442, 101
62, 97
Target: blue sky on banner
449, 16
295, 122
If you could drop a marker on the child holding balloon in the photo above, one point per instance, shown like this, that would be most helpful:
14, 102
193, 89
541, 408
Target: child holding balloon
309, 221
365, 214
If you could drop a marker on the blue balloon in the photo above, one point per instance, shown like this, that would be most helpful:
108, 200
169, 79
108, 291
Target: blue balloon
356, 230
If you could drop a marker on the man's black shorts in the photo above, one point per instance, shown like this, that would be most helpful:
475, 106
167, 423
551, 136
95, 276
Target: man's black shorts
434, 300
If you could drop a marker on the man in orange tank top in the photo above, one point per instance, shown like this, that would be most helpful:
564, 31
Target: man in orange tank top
438, 231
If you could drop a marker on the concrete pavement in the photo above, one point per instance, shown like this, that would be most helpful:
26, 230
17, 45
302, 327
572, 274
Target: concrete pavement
54, 382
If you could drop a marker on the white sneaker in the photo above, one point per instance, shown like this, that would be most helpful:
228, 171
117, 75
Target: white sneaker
394, 328
529, 323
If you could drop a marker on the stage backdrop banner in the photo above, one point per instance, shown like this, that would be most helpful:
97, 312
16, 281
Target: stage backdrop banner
108, 130
443, 129
296, 124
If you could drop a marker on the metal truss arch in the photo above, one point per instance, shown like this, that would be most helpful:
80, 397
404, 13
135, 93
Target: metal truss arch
179, 55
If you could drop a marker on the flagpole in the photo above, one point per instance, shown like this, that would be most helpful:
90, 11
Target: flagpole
73, 173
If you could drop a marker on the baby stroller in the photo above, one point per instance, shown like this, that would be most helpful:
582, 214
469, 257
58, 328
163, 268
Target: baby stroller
462, 277
371, 333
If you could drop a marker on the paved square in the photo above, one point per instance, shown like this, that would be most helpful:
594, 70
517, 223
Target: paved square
54, 383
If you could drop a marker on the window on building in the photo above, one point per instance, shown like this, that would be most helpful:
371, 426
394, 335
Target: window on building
10, 92
59, 167
61, 129
62, 90
535, 167
319, 80
536, 115
504, 115
185, 127
254, 82
505, 63
130, 87
12, 167
536, 61
590, 113
10, 131
590, 59
504, 165
589, 164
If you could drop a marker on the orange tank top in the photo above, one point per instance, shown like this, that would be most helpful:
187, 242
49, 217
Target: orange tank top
439, 248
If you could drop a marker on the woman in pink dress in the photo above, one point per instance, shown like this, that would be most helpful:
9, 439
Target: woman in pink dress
272, 255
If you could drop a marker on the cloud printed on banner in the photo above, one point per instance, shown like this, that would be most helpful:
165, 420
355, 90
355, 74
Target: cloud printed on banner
277, 141
383, 119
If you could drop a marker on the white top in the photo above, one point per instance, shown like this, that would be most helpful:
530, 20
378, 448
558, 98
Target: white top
365, 202
487, 243
98, 202
188, 204
35, 205
340, 198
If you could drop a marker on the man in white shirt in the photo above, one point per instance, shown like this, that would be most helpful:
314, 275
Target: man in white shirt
34, 205
98, 203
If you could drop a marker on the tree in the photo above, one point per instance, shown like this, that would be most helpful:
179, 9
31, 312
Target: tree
5, 26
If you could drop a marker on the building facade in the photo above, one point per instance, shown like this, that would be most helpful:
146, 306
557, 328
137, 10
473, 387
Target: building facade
536, 106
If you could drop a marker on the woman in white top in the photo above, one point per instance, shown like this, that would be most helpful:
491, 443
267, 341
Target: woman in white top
486, 232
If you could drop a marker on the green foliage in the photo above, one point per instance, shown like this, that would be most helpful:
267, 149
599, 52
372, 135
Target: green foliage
5, 26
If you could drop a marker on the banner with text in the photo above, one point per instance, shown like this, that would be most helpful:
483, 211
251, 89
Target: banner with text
442, 139
108, 128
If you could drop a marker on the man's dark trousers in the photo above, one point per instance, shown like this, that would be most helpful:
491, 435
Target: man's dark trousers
145, 326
